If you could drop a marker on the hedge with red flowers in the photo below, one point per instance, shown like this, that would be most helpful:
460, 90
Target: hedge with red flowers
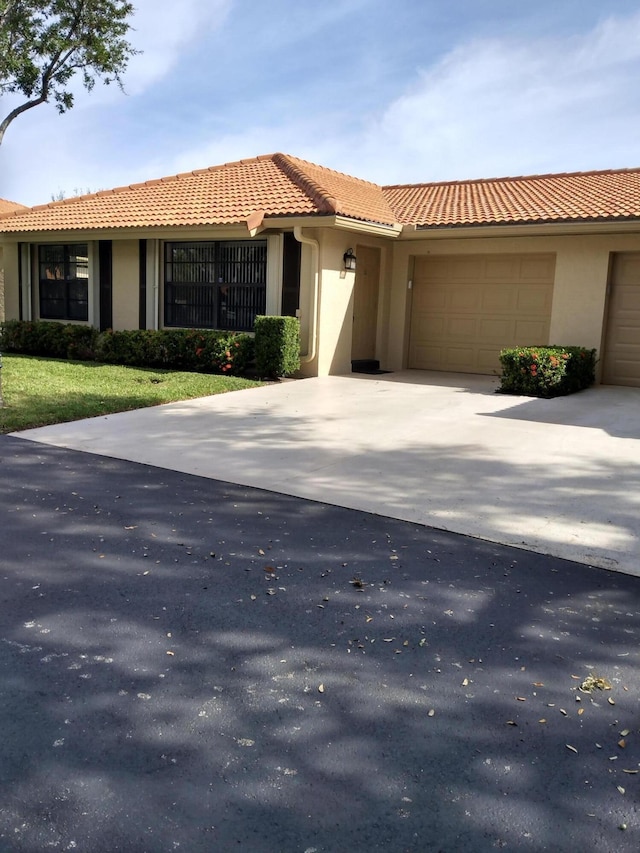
551, 371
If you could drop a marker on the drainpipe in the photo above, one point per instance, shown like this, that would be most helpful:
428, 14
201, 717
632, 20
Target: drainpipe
315, 263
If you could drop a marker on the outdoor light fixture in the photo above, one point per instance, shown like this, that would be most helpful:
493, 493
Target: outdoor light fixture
349, 261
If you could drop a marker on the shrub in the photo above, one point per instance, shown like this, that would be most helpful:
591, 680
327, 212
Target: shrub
551, 371
133, 347
49, 339
277, 346
202, 350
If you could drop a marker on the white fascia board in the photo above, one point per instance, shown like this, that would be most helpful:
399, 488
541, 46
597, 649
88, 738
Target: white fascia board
200, 232
546, 229
373, 228
344, 223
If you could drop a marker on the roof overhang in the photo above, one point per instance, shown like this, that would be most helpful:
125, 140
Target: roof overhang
253, 226
557, 229
182, 232
343, 223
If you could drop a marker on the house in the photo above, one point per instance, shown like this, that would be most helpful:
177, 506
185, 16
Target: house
6, 207
446, 274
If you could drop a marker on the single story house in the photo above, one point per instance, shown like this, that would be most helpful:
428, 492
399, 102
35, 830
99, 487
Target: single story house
446, 274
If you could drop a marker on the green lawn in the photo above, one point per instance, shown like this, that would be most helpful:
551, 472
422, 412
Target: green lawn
41, 391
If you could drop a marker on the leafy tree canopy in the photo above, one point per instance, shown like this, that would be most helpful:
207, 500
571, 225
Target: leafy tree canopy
45, 43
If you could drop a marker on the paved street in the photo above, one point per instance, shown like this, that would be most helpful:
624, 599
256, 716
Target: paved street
193, 665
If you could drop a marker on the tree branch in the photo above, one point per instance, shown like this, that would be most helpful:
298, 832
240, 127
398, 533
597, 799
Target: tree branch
57, 62
45, 43
4, 124
6, 10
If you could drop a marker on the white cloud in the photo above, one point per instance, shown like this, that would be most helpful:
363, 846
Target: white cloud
493, 107
490, 107
163, 30
291, 138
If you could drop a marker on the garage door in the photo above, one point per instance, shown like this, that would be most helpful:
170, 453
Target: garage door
621, 362
466, 309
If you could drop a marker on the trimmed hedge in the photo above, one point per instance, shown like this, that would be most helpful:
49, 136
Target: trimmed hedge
277, 346
204, 351
49, 339
201, 350
552, 371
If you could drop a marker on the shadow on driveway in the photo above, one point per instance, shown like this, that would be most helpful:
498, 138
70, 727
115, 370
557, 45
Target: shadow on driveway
192, 665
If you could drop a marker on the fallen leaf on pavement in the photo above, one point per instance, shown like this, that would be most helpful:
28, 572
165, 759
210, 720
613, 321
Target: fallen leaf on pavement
594, 682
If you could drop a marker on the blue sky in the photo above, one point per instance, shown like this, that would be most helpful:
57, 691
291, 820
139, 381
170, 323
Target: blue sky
394, 92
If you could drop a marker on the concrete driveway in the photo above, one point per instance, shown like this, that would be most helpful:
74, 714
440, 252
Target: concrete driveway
560, 477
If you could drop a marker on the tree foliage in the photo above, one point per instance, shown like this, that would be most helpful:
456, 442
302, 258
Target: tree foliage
44, 44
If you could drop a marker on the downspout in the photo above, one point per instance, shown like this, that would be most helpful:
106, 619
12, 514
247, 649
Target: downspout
315, 264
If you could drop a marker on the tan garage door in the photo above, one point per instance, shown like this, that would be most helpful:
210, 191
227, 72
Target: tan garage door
466, 309
621, 362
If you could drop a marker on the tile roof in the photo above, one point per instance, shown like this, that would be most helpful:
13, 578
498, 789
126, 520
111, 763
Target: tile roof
274, 185
278, 185
570, 197
7, 207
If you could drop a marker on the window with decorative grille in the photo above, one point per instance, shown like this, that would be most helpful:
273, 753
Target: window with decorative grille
64, 281
215, 285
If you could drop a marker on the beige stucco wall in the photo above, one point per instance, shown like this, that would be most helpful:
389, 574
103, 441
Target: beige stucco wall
1, 286
336, 308
126, 283
580, 288
11, 279
335, 317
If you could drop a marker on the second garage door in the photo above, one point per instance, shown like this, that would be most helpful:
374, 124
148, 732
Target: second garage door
466, 309
622, 343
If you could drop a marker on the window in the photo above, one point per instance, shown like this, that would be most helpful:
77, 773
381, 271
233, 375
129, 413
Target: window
64, 282
219, 285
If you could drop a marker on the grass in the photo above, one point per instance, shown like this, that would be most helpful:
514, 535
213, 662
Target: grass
42, 391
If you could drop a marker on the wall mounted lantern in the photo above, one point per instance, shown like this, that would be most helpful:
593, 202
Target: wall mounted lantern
349, 261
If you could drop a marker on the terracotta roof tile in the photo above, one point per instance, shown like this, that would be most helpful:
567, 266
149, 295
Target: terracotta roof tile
277, 185
7, 207
577, 197
348, 196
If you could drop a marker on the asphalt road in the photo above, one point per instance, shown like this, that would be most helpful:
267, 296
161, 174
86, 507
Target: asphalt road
196, 666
